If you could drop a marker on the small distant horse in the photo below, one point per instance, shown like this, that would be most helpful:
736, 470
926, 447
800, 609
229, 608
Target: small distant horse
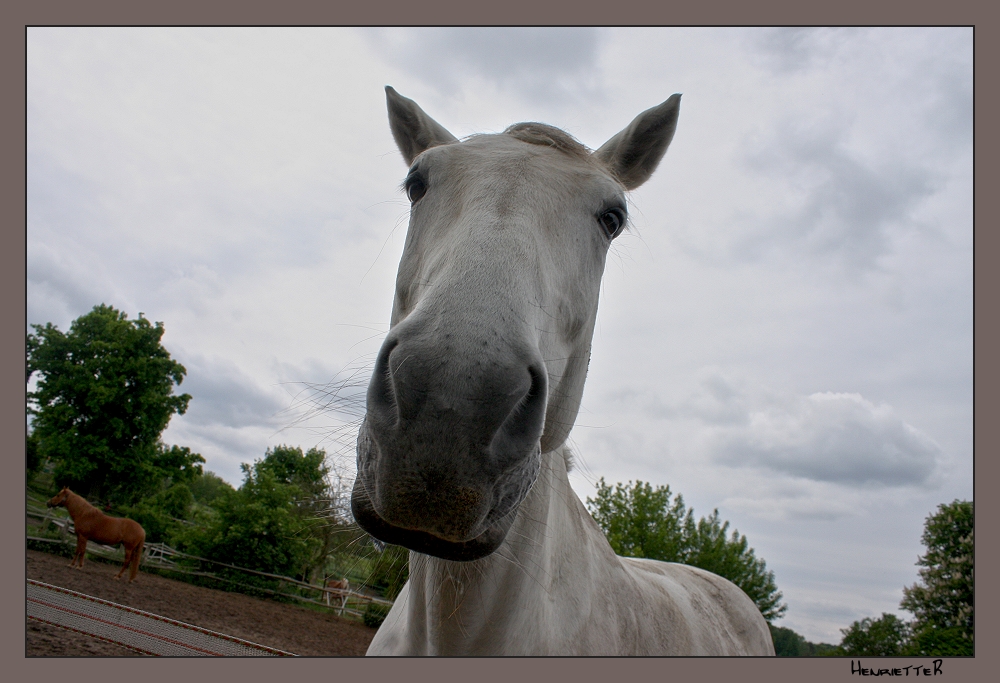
93, 525
339, 588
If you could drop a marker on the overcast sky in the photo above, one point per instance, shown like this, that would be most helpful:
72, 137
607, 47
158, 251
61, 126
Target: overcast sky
784, 334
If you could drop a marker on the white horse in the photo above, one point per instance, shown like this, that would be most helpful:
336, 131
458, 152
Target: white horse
461, 456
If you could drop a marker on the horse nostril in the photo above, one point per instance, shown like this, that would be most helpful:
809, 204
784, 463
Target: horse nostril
539, 381
381, 396
523, 425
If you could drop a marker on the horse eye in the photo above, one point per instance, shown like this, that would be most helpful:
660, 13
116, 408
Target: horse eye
612, 221
415, 189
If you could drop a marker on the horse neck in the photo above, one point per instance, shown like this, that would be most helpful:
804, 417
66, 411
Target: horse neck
77, 505
455, 605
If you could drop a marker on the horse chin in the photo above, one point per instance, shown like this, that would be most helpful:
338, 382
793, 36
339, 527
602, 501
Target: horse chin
473, 542
424, 542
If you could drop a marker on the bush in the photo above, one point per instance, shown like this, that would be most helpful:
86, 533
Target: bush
208, 487
375, 614
255, 527
159, 514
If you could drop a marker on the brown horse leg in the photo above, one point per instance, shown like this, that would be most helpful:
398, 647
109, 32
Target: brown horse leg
128, 556
81, 550
136, 558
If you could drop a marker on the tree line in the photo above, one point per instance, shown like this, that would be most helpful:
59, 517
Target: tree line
104, 393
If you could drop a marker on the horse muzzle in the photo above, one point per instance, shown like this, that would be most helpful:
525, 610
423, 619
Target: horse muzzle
449, 448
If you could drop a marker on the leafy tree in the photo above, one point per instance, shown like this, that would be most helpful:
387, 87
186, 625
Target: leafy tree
163, 514
103, 397
176, 465
175, 501
256, 527
208, 487
788, 643
308, 473
32, 458
942, 601
290, 466
884, 637
641, 521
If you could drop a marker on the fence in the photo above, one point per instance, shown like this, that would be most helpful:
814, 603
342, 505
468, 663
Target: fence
137, 630
163, 558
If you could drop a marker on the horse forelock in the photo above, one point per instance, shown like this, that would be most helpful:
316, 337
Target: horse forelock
548, 136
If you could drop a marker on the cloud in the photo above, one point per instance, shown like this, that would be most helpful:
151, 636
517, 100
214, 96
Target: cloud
815, 505
224, 395
948, 85
65, 282
224, 448
789, 49
833, 437
543, 63
837, 206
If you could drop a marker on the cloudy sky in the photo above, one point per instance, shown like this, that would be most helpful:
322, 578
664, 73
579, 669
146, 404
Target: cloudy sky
785, 333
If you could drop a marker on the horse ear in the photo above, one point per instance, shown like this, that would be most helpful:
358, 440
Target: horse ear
633, 154
413, 130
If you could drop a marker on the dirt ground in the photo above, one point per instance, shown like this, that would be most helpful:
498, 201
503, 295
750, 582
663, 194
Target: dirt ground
292, 628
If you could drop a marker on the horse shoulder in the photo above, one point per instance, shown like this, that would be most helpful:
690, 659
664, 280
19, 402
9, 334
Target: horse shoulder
702, 613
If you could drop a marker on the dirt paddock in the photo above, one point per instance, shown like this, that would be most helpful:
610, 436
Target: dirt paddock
287, 627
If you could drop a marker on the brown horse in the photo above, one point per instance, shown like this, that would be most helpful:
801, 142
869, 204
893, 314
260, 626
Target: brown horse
338, 588
92, 524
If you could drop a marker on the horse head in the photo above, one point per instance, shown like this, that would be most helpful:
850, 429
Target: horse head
483, 368
59, 498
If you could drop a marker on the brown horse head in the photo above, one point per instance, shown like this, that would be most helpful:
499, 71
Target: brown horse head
59, 498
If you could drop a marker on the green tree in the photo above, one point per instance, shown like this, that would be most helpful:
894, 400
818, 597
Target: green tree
309, 474
942, 601
208, 487
32, 458
256, 527
306, 471
886, 636
104, 394
788, 643
641, 521
163, 514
